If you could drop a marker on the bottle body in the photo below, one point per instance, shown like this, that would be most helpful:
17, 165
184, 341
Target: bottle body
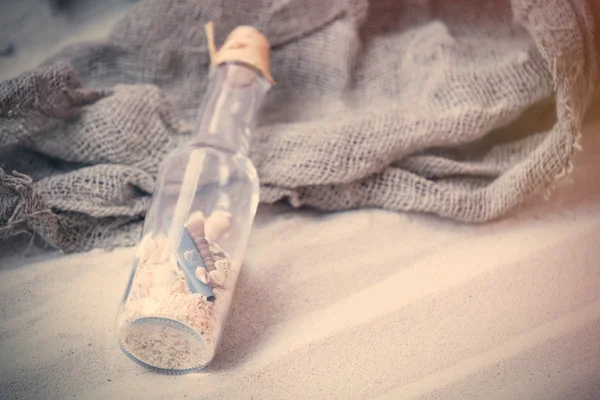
195, 234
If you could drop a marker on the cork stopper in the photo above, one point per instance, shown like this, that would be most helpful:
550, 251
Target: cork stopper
244, 44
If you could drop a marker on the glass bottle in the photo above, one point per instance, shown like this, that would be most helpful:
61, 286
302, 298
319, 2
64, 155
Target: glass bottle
195, 234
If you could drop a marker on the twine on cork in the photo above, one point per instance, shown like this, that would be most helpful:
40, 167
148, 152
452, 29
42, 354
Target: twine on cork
244, 44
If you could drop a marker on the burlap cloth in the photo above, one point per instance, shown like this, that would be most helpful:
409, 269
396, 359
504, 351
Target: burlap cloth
457, 108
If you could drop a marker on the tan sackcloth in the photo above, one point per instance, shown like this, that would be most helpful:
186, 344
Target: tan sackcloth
457, 108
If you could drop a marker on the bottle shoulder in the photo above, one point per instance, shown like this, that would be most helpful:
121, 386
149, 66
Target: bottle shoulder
210, 157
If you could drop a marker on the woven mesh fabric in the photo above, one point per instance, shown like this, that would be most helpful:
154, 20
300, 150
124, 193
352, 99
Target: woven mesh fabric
457, 108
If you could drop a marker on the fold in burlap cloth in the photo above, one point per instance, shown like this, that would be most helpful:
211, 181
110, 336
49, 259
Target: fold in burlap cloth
457, 108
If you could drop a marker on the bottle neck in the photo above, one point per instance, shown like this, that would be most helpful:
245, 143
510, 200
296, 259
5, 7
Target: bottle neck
230, 107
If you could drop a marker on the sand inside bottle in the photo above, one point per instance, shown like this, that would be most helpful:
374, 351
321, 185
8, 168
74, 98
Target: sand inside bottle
169, 326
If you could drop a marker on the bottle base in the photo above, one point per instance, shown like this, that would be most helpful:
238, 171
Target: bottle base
164, 345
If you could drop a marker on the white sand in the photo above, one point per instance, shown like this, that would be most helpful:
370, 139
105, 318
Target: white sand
364, 304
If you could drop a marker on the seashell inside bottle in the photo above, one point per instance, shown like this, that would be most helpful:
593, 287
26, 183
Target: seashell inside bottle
177, 300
